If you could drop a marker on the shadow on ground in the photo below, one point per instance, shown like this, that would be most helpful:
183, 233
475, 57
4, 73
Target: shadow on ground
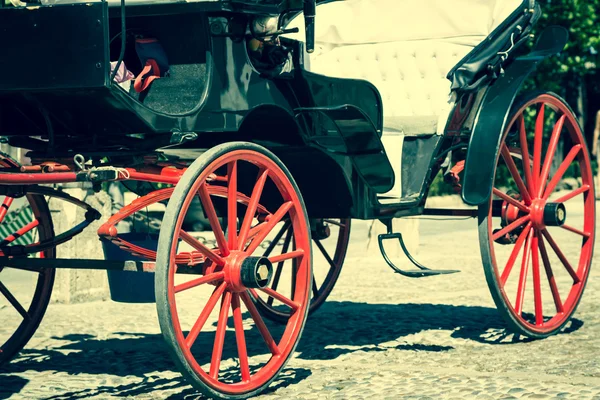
337, 328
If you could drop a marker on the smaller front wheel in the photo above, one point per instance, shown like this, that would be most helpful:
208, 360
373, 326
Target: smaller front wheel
250, 189
537, 230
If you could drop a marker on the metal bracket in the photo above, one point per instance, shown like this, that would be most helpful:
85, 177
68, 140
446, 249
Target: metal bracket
421, 272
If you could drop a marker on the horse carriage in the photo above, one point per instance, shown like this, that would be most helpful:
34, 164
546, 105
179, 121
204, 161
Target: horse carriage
281, 125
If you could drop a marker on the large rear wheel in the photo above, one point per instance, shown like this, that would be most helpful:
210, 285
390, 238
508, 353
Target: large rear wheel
537, 231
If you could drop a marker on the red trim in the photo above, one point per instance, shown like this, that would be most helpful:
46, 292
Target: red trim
143, 81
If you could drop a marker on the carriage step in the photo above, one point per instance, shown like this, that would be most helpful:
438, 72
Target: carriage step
421, 272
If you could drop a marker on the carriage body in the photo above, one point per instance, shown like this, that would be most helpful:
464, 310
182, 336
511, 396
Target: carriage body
281, 152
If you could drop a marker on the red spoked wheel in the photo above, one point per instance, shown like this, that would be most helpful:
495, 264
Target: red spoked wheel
330, 237
537, 231
243, 361
24, 294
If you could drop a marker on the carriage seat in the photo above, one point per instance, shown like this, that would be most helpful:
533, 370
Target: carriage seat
405, 48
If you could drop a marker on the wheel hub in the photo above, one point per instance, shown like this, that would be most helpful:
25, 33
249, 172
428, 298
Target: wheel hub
243, 272
547, 213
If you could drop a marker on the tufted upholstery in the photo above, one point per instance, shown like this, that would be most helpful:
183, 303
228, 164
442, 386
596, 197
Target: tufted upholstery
405, 48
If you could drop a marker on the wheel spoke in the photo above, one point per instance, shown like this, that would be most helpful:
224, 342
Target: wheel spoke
200, 281
209, 209
217, 354
232, 204
525, 155
240, 337
510, 163
315, 289
561, 170
569, 196
514, 254
294, 273
286, 246
287, 256
11, 238
210, 305
561, 256
260, 324
550, 276
15, 303
537, 288
275, 218
189, 239
5, 206
575, 230
510, 200
537, 144
550, 154
324, 252
290, 303
511, 227
251, 210
277, 238
523, 276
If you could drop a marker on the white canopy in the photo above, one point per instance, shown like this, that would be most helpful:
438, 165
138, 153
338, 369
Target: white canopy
378, 21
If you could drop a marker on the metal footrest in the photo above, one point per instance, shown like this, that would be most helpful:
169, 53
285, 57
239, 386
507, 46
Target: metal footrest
421, 272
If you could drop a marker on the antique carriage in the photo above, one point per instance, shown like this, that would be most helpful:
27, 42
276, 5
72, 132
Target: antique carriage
280, 135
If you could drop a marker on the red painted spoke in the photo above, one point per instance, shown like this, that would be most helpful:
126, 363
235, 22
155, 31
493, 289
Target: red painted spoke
537, 144
232, 205
189, 239
537, 286
5, 206
561, 256
550, 154
575, 230
210, 305
574, 193
260, 324
217, 354
511, 227
525, 155
290, 303
15, 303
19, 233
523, 276
209, 209
561, 170
287, 256
240, 337
550, 275
200, 281
274, 220
514, 254
510, 200
251, 210
510, 163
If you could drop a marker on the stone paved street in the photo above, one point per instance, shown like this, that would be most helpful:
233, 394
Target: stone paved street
379, 336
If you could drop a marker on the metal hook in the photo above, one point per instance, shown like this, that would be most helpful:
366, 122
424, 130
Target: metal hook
79, 161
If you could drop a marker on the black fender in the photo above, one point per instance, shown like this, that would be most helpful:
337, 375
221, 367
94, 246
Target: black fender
494, 112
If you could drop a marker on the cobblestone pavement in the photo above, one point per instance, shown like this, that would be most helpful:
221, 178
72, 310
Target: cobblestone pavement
380, 336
